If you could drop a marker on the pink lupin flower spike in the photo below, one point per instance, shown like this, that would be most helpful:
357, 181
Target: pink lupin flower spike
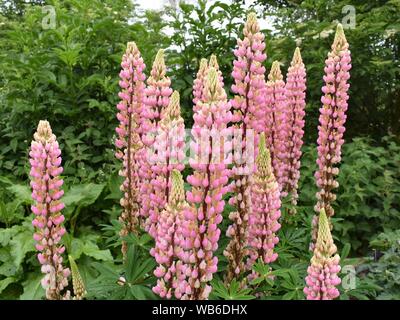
277, 125
158, 92
169, 243
322, 277
128, 142
264, 218
296, 101
209, 184
199, 82
332, 120
249, 109
46, 183
169, 154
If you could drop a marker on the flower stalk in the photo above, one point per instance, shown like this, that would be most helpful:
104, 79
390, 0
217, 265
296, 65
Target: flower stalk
169, 243
46, 183
249, 105
129, 133
296, 102
331, 123
209, 185
169, 153
322, 277
264, 218
157, 98
277, 125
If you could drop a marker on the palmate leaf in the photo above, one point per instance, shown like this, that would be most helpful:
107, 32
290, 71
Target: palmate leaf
233, 292
143, 269
141, 292
106, 271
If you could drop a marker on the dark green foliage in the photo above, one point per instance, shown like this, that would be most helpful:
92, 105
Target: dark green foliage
200, 31
369, 190
67, 75
374, 105
385, 268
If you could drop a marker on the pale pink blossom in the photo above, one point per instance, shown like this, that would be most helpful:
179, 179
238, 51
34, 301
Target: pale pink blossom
46, 183
248, 114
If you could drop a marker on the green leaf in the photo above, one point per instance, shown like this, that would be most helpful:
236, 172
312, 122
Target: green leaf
92, 250
83, 195
142, 269
21, 244
345, 251
21, 192
289, 295
69, 56
131, 262
5, 282
138, 292
106, 271
33, 289
114, 184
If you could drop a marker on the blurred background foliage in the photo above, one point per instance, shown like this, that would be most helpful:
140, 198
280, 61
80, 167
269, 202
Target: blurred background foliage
69, 76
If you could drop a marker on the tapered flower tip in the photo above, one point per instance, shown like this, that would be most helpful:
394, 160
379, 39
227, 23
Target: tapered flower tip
212, 79
324, 241
213, 62
297, 57
177, 188
44, 132
263, 160
340, 41
275, 73
212, 84
203, 65
173, 110
131, 47
77, 281
159, 69
262, 144
251, 25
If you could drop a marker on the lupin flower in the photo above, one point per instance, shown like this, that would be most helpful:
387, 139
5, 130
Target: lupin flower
157, 96
169, 243
213, 63
332, 119
249, 105
45, 160
263, 221
169, 154
128, 142
158, 92
209, 184
322, 277
248, 74
277, 125
296, 101
199, 82
77, 281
